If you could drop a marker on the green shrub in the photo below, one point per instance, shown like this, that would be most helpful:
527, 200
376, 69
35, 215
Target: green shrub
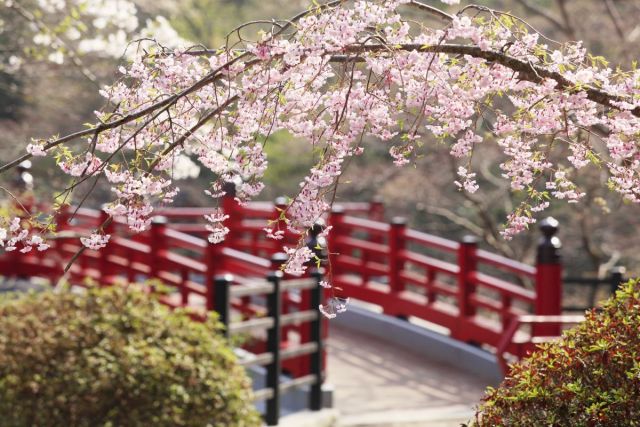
115, 357
591, 377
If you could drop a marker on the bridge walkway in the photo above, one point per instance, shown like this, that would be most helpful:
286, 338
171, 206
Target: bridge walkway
376, 384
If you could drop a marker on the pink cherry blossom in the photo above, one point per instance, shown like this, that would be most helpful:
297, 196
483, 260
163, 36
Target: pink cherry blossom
341, 78
95, 241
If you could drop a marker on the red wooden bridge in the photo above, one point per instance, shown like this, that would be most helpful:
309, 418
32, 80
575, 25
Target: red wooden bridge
479, 297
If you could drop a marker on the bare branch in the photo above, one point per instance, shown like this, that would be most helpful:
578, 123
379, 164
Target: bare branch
459, 220
546, 15
615, 18
432, 10
566, 18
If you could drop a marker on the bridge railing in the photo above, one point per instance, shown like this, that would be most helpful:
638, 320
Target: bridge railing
274, 356
471, 292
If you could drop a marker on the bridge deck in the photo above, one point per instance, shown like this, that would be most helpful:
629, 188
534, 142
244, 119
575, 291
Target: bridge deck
375, 381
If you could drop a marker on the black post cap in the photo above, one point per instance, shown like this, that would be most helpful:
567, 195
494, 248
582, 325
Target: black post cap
229, 188
159, 220
398, 220
227, 278
549, 244
279, 258
469, 240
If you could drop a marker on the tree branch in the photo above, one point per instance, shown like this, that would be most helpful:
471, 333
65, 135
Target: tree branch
432, 10
526, 70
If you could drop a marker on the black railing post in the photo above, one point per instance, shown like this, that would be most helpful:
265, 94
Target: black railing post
616, 278
274, 369
315, 395
222, 300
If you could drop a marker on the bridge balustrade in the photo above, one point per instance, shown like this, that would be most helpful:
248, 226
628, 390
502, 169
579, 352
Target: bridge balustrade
474, 294
275, 356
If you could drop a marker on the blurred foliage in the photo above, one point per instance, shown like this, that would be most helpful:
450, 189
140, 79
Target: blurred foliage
209, 21
11, 85
591, 377
12, 100
289, 162
115, 357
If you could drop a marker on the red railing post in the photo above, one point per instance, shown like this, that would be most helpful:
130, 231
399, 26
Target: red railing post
64, 217
548, 277
157, 245
467, 264
184, 291
62, 224
16, 264
376, 209
396, 261
231, 207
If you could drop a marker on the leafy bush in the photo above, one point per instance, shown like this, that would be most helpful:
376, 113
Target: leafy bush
115, 357
591, 377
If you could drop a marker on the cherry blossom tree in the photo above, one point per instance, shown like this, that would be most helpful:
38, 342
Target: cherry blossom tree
338, 76
60, 31
55, 54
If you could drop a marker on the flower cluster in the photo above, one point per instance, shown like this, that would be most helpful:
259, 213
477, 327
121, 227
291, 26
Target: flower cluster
215, 227
13, 234
333, 307
298, 258
95, 241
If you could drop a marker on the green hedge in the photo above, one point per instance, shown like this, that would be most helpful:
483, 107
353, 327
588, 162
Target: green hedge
115, 357
591, 377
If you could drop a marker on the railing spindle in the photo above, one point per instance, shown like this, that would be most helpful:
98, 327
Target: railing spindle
158, 245
317, 357
222, 300
467, 264
274, 369
396, 246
